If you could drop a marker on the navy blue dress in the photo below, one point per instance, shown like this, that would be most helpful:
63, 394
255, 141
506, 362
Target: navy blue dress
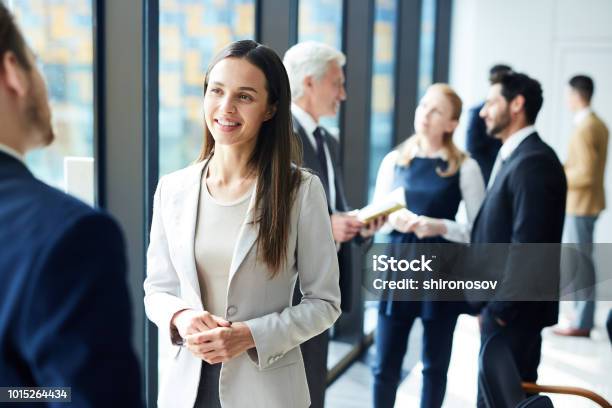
428, 194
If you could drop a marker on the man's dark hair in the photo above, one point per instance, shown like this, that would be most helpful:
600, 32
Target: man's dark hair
498, 70
584, 86
514, 84
11, 38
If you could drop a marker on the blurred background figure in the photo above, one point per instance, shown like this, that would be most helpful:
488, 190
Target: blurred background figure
584, 170
436, 176
525, 203
482, 146
65, 313
317, 90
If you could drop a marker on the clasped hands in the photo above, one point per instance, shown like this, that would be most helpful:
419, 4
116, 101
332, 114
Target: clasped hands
212, 338
406, 221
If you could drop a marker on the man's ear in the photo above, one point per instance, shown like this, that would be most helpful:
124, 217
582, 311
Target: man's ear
270, 112
517, 104
13, 75
308, 81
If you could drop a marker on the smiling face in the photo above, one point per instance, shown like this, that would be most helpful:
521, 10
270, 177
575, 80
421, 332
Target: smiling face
434, 116
328, 92
236, 103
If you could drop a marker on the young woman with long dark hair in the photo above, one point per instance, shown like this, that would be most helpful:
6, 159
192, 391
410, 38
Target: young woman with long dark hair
230, 235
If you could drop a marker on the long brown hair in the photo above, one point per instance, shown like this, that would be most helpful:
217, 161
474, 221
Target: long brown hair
455, 156
275, 150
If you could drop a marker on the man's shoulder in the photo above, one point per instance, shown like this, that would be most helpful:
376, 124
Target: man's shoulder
542, 157
36, 218
48, 200
50, 210
535, 157
331, 140
546, 150
593, 125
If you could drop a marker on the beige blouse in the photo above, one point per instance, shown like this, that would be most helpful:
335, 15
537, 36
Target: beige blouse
217, 229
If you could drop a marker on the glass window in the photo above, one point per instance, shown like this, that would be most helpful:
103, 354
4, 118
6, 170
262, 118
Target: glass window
383, 86
426, 47
191, 32
61, 35
321, 20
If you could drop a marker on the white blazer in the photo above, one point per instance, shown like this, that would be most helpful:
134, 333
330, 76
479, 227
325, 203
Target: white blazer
272, 374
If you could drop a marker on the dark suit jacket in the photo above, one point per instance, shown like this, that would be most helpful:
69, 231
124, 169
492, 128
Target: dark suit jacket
526, 204
482, 147
310, 162
65, 317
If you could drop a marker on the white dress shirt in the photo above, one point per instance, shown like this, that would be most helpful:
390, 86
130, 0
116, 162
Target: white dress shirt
508, 148
11, 152
582, 115
309, 125
471, 184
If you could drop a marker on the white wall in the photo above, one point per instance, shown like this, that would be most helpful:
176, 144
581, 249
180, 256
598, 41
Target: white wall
550, 40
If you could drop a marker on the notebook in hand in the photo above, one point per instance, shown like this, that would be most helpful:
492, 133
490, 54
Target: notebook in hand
386, 205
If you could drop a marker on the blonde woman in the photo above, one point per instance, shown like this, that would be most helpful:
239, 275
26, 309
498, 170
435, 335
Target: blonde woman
436, 177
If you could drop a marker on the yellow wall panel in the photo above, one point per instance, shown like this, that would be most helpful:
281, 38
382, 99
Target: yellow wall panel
382, 102
193, 71
195, 25
60, 28
170, 88
170, 40
195, 109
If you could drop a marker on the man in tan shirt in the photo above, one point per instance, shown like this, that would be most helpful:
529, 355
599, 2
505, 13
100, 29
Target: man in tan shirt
584, 169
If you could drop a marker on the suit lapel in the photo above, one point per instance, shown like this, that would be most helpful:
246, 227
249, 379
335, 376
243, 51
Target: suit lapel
185, 210
503, 173
246, 237
310, 156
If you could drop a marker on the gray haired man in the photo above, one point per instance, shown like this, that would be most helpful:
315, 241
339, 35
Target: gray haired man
317, 89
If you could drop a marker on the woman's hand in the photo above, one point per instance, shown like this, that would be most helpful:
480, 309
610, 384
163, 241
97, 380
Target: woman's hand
425, 227
402, 220
189, 321
221, 344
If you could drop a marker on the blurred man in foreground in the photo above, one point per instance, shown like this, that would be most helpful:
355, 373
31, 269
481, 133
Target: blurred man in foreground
64, 309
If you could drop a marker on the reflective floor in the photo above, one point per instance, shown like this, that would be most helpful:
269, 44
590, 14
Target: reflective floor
574, 362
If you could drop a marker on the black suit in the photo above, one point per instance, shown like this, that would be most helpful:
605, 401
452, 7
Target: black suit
315, 350
310, 162
65, 317
525, 204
